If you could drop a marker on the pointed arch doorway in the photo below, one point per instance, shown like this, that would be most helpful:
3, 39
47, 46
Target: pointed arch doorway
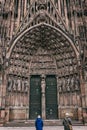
37, 99
61, 48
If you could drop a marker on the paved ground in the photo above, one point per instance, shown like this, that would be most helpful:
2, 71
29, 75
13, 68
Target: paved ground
45, 128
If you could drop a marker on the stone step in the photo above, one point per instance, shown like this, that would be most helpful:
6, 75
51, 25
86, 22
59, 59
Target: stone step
1, 122
27, 123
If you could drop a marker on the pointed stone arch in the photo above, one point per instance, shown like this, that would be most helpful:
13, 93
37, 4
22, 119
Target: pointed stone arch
47, 25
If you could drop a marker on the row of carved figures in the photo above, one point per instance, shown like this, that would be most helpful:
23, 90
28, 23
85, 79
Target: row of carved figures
69, 83
17, 85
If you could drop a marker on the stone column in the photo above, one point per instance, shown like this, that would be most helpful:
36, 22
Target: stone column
85, 85
83, 94
43, 85
59, 8
0, 89
82, 87
28, 110
25, 7
3, 96
80, 114
66, 19
85, 108
58, 98
19, 11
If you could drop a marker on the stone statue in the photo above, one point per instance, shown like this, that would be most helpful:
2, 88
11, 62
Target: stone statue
9, 84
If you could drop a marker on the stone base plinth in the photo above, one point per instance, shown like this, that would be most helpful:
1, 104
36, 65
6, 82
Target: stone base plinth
18, 113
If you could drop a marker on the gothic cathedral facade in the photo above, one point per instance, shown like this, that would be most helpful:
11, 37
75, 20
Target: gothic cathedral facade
43, 59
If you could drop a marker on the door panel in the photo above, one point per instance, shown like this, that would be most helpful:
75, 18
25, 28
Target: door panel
35, 96
51, 97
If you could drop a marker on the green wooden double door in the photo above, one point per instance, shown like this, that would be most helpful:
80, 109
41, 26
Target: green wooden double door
35, 102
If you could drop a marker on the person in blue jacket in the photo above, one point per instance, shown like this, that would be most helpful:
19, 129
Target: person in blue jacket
39, 123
